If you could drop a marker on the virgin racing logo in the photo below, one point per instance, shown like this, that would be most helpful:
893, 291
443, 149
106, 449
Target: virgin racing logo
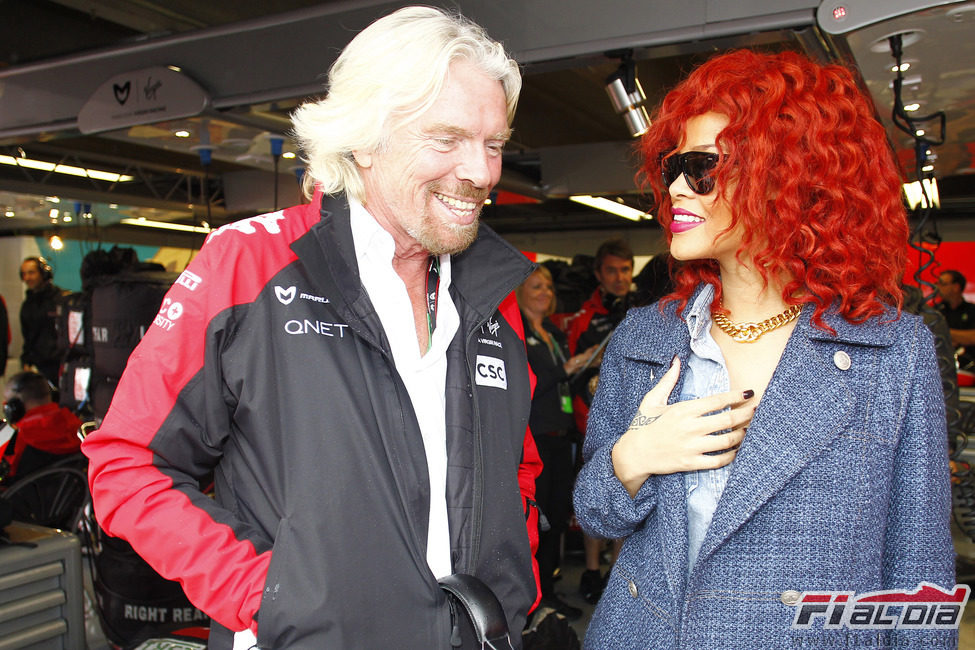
928, 607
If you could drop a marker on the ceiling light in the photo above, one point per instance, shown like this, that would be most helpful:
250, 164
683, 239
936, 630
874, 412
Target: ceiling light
165, 225
903, 67
66, 218
627, 97
70, 170
927, 168
56, 242
9, 213
182, 133
916, 196
910, 108
54, 213
288, 154
919, 132
52, 199
612, 207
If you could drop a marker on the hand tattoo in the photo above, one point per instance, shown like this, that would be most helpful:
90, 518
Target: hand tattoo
640, 420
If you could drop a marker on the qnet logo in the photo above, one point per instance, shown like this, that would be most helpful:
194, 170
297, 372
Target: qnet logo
929, 607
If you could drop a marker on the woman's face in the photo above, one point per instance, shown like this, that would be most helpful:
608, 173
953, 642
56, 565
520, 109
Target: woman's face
536, 294
699, 220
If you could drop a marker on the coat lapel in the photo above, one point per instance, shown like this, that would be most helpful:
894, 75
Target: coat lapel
671, 494
808, 402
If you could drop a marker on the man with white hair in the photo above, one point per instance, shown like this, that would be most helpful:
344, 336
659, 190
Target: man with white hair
357, 460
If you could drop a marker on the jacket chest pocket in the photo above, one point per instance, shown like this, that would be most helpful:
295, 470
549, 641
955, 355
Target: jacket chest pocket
639, 377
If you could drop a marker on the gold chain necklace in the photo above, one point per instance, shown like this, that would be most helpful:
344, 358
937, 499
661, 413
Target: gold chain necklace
750, 332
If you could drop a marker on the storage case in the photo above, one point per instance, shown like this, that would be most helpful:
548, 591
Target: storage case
41, 590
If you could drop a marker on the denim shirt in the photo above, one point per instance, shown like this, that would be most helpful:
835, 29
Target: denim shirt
705, 374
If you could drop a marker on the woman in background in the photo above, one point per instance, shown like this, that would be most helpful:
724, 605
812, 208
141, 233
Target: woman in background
775, 425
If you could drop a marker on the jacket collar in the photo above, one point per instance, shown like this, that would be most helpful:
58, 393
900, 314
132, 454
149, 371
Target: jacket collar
481, 276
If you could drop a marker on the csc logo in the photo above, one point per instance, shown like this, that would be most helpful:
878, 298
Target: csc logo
489, 371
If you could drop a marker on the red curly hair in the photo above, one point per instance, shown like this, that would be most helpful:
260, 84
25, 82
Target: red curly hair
814, 181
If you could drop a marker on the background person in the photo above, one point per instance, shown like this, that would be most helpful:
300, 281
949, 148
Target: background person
45, 432
360, 391
603, 311
588, 329
776, 426
38, 318
551, 424
959, 313
4, 336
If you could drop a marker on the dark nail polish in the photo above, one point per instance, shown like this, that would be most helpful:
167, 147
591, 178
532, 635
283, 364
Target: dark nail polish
748, 394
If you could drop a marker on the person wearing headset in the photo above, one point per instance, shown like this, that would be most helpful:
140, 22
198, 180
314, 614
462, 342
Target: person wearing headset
4, 336
44, 431
38, 318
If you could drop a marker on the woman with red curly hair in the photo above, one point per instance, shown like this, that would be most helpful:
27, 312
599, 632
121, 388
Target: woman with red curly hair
776, 425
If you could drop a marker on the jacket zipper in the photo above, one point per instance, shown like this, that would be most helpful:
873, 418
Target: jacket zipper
478, 460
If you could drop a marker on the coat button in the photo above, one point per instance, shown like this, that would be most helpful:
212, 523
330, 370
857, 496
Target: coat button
632, 587
842, 360
790, 597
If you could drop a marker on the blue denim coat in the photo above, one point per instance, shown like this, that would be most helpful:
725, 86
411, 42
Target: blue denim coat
841, 483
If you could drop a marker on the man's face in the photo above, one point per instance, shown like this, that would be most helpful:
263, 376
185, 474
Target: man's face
30, 273
428, 184
615, 275
948, 288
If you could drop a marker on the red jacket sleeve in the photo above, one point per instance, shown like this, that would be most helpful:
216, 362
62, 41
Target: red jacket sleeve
167, 424
531, 462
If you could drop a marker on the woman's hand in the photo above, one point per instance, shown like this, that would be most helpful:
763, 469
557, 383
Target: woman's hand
667, 438
575, 364
578, 362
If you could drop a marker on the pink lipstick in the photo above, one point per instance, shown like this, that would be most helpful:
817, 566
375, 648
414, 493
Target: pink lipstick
684, 220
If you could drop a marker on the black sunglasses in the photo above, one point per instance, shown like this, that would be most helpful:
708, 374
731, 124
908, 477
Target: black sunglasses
696, 166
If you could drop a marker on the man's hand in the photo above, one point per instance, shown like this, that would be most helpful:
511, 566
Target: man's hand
666, 438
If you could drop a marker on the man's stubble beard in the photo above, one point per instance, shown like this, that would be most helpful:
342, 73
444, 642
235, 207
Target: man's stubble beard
437, 243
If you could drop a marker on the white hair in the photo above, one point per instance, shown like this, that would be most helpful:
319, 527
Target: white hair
389, 74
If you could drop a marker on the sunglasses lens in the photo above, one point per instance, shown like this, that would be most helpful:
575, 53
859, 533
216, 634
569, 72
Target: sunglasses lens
670, 170
698, 166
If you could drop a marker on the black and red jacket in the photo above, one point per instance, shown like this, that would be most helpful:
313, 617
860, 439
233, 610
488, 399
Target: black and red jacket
588, 327
44, 434
268, 365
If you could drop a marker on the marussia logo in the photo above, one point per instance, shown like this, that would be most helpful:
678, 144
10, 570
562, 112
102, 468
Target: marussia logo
927, 607
285, 295
122, 92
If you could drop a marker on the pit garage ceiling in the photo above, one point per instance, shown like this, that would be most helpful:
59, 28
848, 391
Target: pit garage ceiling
256, 60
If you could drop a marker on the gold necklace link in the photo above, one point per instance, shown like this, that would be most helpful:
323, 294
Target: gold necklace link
750, 332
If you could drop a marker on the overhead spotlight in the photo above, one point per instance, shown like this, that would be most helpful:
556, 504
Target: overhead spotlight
56, 242
626, 95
